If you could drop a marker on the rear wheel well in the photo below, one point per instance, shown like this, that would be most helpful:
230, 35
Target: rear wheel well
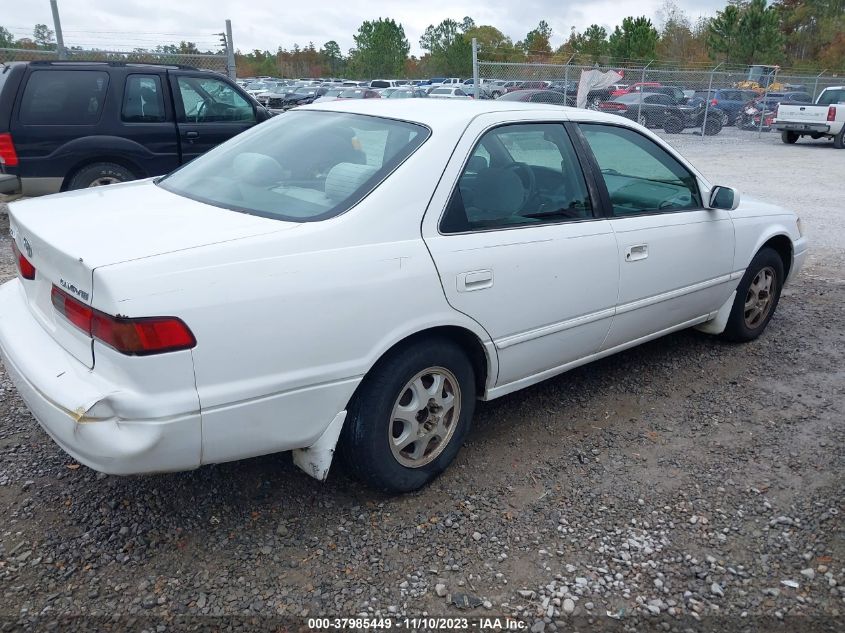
782, 245
467, 341
126, 164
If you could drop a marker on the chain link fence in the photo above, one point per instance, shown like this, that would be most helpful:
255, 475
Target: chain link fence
702, 100
198, 60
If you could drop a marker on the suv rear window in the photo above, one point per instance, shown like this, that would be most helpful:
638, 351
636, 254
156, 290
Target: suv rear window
64, 97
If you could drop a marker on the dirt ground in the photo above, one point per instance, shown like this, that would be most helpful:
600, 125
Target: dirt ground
687, 484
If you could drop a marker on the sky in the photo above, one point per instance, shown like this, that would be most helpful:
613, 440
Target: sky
268, 24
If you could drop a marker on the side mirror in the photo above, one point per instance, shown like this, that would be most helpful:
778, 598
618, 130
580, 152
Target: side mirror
723, 198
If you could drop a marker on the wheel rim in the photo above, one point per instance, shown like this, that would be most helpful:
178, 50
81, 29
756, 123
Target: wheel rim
425, 417
759, 298
104, 180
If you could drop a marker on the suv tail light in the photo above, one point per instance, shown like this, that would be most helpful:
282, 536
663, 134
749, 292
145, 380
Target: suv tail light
831, 113
135, 337
714, 102
8, 155
25, 267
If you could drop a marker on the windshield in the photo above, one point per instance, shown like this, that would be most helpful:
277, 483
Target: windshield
301, 167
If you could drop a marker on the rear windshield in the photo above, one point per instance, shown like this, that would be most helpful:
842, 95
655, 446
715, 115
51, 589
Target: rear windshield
64, 97
829, 97
301, 167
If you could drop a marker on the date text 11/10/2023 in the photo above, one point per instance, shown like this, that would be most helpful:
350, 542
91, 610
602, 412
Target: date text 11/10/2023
419, 623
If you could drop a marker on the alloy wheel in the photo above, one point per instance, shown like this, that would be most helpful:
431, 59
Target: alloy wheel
758, 299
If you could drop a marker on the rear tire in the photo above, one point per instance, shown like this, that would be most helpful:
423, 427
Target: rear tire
788, 137
400, 400
99, 174
839, 139
757, 297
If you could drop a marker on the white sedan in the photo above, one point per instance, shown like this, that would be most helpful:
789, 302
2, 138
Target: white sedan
359, 273
446, 92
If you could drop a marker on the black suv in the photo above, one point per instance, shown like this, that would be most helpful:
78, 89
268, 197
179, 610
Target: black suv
70, 125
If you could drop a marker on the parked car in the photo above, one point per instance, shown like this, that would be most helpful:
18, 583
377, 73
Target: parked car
301, 96
446, 92
696, 113
408, 93
730, 100
387, 83
647, 109
497, 88
540, 96
640, 86
676, 93
510, 86
478, 248
359, 93
332, 94
71, 125
824, 119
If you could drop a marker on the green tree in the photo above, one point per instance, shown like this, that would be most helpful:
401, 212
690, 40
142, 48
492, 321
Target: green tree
636, 39
381, 49
593, 42
493, 44
333, 57
746, 34
7, 40
450, 51
43, 37
538, 40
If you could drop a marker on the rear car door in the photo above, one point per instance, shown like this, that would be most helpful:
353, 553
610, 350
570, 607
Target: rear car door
209, 111
147, 118
518, 247
675, 257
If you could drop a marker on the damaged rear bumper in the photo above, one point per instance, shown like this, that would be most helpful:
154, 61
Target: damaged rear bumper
79, 409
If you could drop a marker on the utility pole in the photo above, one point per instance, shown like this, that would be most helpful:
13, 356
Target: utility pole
57, 26
475, 87
230, 51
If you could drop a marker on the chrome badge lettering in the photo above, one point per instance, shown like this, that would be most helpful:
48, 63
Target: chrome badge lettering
83, 294
27, 247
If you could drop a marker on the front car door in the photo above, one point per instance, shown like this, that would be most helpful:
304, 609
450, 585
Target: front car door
675, 257
209, 111
514, 233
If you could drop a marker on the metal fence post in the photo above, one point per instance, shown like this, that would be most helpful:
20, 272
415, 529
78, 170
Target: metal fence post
566, 79
640, 103
475, 86
707, 101
231, 69
61, 53
766, 98
816, 84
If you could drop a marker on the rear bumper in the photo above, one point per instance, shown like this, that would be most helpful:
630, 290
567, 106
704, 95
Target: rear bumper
9, 184
786, 126
64, 395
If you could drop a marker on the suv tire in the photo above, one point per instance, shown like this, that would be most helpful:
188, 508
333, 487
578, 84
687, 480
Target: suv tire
99, 174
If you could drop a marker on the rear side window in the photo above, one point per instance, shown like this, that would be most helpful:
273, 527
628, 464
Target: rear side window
142, 100
829, 97
64, 97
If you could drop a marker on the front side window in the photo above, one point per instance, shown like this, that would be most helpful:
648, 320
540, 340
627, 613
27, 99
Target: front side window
301, 167
519, 175
209, 100
142, 100
64, 97
641, 176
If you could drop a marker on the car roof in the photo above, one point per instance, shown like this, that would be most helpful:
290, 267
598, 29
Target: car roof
437, 113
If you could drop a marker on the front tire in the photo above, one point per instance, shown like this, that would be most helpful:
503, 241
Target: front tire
410, 416
757, 297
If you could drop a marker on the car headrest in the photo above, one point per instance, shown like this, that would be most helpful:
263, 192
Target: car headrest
476, 164
257, 169
345, 178
498, 191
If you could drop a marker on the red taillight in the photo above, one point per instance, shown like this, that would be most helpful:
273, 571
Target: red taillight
25, 267
135, 337
831, 113
714, 102
8, 155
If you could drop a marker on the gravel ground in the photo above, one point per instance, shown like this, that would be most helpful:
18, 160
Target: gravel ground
687, 484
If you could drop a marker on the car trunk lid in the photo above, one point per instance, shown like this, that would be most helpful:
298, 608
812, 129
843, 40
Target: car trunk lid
802, 113
111, 225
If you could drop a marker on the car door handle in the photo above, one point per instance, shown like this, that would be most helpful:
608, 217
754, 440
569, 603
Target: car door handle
475, 280
192, 134
636, 252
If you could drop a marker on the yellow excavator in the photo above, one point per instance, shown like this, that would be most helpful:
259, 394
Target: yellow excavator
761, 78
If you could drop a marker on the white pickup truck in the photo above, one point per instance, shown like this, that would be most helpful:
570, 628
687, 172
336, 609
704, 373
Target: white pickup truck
825, 118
